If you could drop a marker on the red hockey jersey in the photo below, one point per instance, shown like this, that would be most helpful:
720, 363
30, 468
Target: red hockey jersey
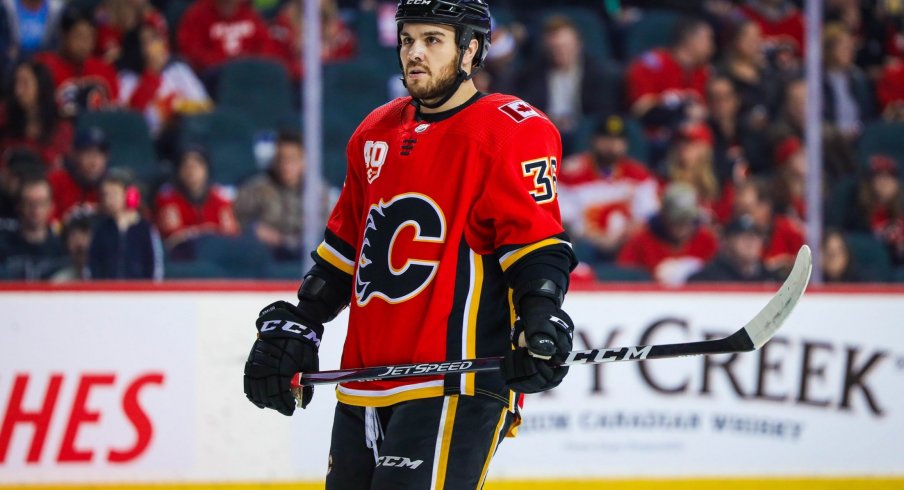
431, 216
90, 86
178, 219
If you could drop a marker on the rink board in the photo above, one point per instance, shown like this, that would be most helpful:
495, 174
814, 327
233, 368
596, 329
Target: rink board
142, 385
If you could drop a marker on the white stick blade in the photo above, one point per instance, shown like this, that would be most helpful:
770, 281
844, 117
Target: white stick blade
770, 318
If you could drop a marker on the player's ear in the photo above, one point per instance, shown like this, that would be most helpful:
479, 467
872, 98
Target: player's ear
468, 59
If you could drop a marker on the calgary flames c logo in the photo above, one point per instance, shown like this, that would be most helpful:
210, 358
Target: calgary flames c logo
376, 275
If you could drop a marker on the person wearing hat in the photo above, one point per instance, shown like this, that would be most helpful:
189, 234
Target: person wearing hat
605, 195
674, 244
740, 256
191, 206
76, 185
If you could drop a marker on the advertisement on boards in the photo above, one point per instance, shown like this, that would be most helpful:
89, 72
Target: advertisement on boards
100, 387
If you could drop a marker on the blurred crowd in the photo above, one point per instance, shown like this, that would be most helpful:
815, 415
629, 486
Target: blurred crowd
143, 139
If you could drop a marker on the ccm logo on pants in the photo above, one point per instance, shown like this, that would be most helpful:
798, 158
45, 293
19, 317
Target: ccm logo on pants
399, 462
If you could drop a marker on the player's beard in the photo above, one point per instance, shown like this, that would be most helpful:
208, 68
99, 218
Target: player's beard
435, 87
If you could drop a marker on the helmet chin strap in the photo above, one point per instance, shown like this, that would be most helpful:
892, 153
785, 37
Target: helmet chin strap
460, 78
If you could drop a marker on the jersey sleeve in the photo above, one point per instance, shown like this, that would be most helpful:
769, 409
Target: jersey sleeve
518, 210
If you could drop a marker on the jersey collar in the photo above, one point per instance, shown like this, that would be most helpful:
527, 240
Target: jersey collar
436, 117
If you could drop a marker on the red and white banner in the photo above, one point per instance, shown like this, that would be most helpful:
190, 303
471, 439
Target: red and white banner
141, 386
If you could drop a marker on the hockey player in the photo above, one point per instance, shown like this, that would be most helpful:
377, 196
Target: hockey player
447, 243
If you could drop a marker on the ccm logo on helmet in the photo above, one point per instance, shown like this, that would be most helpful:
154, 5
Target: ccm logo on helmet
418, 2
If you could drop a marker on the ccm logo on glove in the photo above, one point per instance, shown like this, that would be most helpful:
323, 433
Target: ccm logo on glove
291, 327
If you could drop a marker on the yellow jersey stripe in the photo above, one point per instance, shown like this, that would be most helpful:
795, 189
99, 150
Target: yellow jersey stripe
441, 460
386, 400
328, 254
470, 329
510, 258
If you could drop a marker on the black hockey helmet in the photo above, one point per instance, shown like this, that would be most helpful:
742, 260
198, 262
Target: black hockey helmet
470, 18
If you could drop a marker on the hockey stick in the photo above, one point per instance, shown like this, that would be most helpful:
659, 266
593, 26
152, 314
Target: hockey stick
750, 337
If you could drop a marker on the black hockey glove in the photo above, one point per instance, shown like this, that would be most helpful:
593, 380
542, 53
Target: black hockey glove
542, 340
287, 342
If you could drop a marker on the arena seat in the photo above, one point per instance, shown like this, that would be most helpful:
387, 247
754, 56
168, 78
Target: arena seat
882, 138
130, 141
608, 272
229, 141
193, 269
257, 88
654, 29
870, 256
240, 257
351, 90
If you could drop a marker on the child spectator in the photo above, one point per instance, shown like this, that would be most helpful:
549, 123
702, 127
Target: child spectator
82, 82
675, 244
191, 206
166, 87
76, 185
124, 245
605, 195
77, 241
31, 119
740, 256
270, 205
214, 31
31, 250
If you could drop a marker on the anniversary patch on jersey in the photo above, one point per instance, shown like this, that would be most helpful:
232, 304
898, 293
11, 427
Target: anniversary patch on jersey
519, 110
375, 153
376, 275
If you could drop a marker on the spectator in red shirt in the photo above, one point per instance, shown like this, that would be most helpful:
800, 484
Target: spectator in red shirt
890, 90
666, 87
605, 195
674, 244
82, 82
192, 206
214, 31
76, 185
337, 40
116, 18
781, 22
31, 119
784, 236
